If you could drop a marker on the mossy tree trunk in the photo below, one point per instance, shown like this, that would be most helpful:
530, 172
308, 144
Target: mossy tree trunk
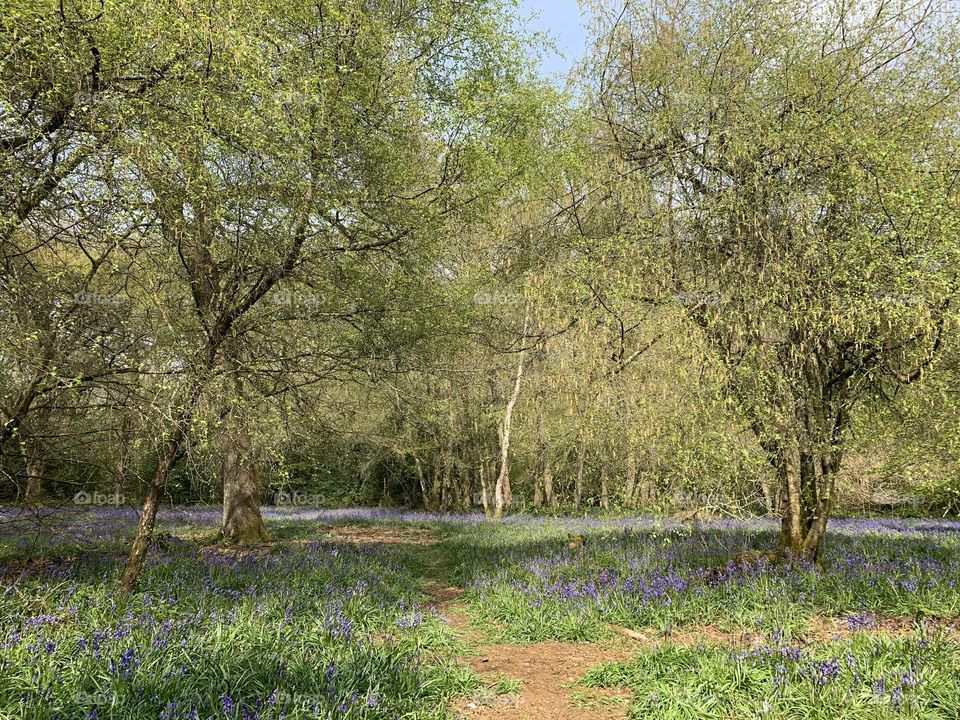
242, 521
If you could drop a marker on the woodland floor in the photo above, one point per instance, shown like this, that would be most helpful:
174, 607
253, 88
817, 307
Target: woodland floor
544, 677
545, 673
419, 615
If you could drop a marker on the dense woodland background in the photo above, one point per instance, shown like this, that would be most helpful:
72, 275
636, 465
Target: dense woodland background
359, 251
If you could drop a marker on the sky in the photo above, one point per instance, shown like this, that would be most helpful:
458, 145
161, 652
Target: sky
562, 21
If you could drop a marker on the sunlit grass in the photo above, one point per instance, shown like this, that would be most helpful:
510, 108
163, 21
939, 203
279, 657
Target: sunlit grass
314, 626
863, 677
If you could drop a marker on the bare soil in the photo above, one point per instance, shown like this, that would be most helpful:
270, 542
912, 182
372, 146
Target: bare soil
549, 671
382, 535
826, 629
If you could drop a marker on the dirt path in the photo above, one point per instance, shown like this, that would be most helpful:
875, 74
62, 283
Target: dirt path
548, 672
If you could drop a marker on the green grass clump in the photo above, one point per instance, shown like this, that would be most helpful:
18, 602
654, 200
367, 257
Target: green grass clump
863, 678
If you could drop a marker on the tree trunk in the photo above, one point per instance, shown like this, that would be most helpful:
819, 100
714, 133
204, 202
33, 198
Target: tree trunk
466, 491
630, 489
424, 490
604, 495
435, 487
122, 463
14, 419
807, 485
578, 487
791, 532
33, 448
538, 490
539, 485
120, 475
36, 468
242, 521
507, 492
446, 487
141, 540
501, 493
166, 460
549, 495
767, 492
483, 488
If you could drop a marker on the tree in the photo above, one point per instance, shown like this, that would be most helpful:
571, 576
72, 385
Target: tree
360, 131
802, 194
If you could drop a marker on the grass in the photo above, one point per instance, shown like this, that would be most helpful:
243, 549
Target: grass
311, 627
863, 677
647, 574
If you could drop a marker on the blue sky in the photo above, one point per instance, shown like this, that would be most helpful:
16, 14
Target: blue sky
561, 19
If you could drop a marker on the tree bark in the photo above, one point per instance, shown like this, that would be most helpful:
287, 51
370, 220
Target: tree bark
549, 495
578, 486
483, 488
136, 560
21, 407
435, 487
604, 495
424, 490
767, 492
122, 463
242, 521
501, 493
507, 492
36, 467
539, 482
466, 491
538, 489
807, 482
446, 488
33, 448
792, 523
630, 487
120, 473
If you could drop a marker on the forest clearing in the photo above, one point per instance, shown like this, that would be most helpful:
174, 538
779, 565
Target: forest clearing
514, 359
